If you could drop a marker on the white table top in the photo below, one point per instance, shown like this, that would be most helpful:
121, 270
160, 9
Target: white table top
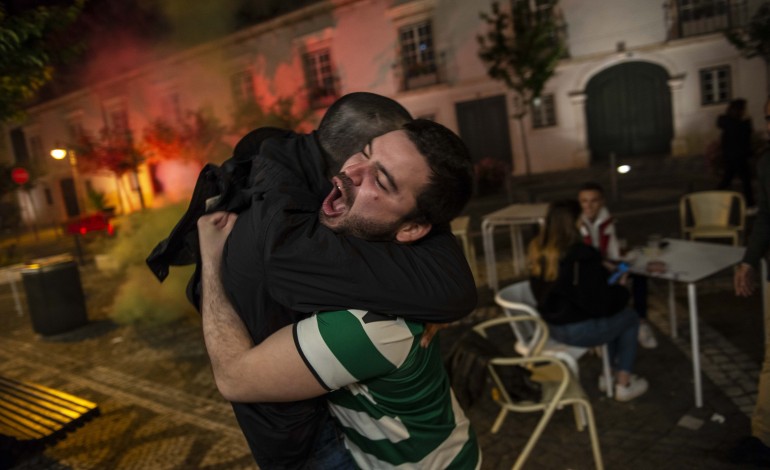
518, 212
687, 261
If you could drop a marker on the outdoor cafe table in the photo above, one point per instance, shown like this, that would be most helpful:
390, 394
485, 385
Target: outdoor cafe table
687, 262
513, 216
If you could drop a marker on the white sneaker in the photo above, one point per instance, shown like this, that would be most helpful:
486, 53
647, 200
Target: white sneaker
646, 336
636, 387
603, 381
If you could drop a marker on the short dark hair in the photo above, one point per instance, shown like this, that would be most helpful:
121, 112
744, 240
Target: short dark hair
451, 180
591, 186
353, 121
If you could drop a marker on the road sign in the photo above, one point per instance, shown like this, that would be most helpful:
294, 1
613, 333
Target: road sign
19, 175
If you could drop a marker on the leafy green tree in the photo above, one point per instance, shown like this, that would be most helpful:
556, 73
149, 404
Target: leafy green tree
753, 40
30, 47
522, 49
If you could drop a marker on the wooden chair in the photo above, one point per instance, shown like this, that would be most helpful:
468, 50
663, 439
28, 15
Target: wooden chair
711, 214
517, 299
560, 388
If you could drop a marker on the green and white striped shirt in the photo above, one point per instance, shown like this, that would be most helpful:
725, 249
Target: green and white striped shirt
392, 397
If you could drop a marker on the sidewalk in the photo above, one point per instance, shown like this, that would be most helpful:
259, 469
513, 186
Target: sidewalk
160, 409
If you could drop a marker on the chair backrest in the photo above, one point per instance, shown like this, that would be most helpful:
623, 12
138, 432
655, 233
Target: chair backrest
516, 300
712, 208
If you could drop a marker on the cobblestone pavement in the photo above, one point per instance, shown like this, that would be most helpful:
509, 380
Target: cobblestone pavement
160, 409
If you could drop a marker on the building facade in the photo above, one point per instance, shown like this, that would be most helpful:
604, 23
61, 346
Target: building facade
639, 78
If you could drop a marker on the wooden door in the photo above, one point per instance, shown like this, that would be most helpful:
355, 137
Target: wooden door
628, 111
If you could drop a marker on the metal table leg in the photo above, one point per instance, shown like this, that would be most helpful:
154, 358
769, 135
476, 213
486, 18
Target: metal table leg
695, 343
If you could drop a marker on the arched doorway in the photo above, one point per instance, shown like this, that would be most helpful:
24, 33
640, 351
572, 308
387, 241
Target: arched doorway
628, 111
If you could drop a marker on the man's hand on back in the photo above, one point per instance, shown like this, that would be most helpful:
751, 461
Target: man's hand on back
430, 331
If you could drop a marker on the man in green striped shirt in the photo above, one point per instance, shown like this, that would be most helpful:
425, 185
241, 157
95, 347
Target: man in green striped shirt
390, 396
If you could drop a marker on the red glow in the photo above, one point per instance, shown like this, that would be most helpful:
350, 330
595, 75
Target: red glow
95, 222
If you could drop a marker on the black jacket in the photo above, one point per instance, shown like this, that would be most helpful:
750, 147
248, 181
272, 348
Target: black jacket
736, 138
580, 291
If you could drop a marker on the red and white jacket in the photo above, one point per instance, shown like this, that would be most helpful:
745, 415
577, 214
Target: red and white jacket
601, 234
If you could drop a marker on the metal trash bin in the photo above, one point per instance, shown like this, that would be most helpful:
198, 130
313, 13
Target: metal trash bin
54, 295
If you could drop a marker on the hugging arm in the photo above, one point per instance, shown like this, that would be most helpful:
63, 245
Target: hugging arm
271, 371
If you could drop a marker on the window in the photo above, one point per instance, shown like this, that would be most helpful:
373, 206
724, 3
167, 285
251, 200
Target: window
35, 148
117, 118
242, 84
696, 17
117, 122
715, 85
171, 107
75, 128
321, 81
540, 9
538, 15
417, 54
20, 147
543, 112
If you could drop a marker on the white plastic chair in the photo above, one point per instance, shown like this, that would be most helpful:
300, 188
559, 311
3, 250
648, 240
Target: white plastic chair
712, 214
517, 299
559, 388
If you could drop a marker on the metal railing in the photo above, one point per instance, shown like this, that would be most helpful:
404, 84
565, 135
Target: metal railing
687, 18
413, 76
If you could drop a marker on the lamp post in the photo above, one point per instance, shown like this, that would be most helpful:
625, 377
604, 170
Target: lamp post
60, 154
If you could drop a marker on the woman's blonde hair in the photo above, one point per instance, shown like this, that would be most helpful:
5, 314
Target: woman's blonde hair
557, 235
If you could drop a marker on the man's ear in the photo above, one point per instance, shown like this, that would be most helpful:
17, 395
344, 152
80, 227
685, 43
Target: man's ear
412, 231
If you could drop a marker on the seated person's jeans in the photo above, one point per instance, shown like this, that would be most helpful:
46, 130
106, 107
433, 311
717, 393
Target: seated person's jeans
619, 332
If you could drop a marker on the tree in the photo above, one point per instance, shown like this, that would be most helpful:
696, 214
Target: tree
197, 138
30, 47
522, 49
113, 150
253, 114
753, 40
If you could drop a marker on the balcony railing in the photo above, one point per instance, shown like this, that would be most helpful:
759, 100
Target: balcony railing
323, 96
686, 18
413, 76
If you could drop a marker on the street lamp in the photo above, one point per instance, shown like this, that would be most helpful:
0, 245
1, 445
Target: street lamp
60, 154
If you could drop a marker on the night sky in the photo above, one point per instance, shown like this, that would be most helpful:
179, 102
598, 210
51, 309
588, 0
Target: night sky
119, 35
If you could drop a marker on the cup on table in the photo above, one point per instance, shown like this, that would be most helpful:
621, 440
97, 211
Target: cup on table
652, 250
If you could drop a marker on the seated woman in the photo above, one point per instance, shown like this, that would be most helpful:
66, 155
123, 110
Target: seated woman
571, 286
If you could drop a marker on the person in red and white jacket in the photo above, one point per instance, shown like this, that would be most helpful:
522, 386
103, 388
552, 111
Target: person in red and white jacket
597, 227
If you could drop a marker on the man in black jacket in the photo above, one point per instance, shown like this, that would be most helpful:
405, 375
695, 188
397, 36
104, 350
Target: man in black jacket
396, 188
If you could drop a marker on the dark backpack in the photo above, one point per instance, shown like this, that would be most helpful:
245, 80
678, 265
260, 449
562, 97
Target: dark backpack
467, 367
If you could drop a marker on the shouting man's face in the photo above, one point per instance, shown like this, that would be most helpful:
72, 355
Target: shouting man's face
376, 189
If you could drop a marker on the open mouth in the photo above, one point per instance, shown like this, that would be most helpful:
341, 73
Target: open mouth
334, 205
